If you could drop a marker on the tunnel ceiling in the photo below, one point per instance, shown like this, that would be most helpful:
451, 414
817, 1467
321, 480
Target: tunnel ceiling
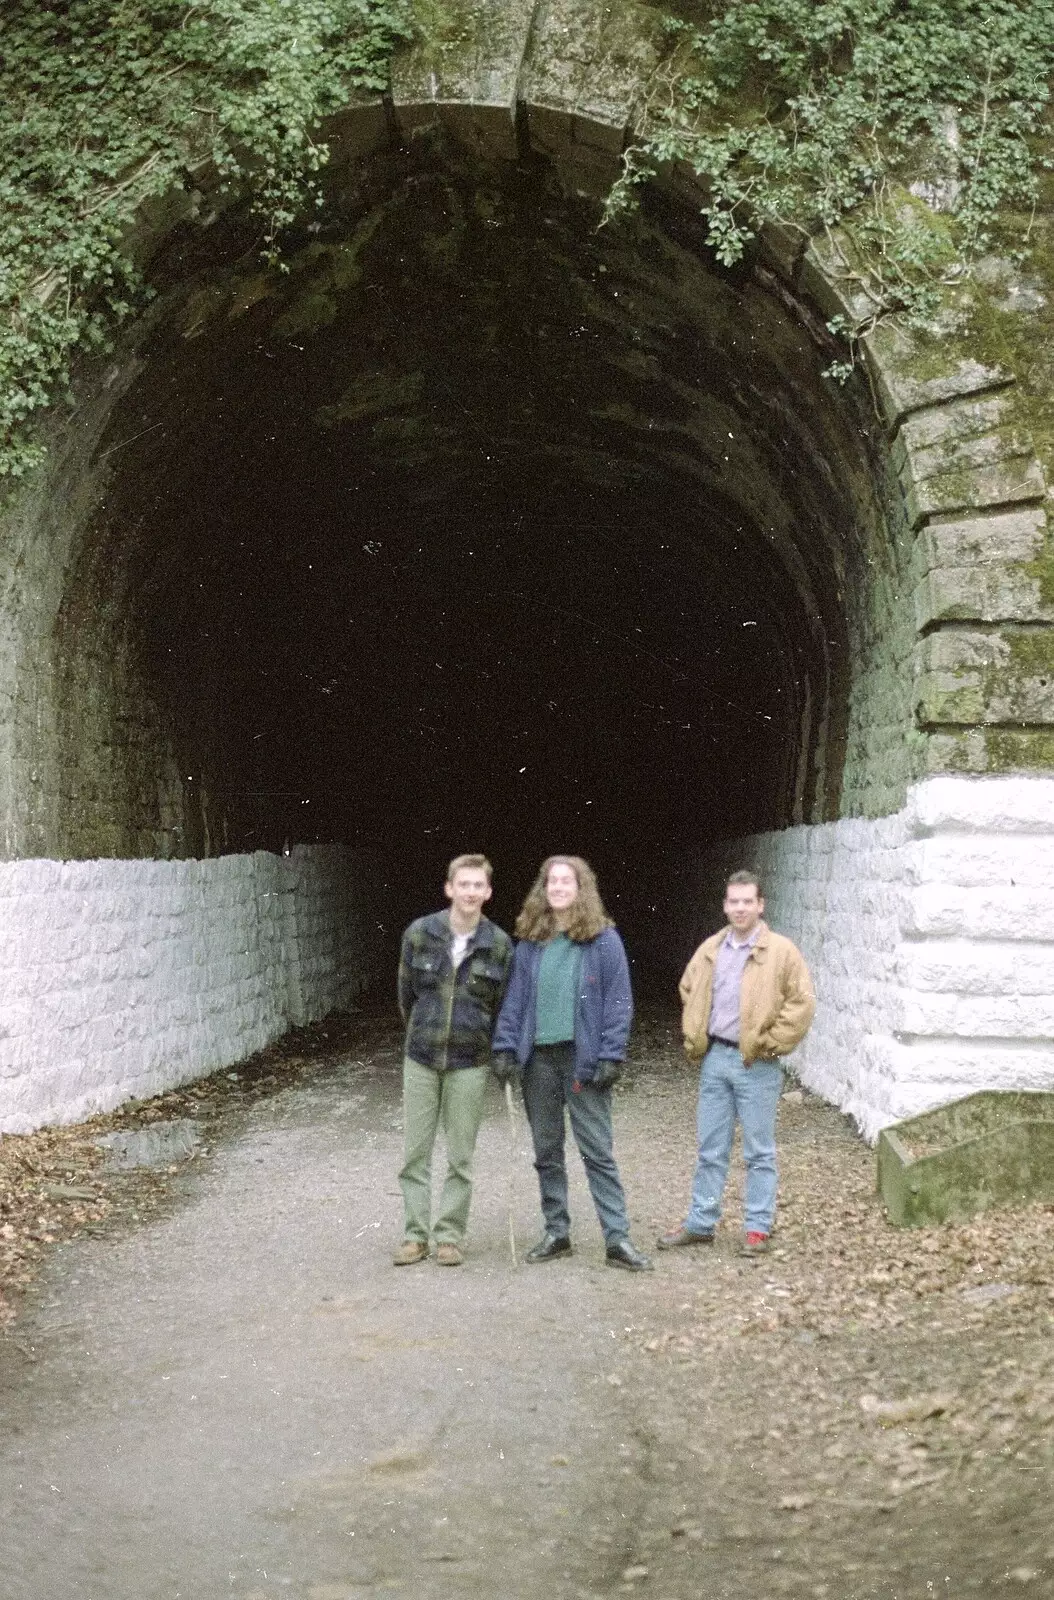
482, 526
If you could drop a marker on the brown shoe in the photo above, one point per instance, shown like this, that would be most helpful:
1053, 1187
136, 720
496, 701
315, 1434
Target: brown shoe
448, 1255
682, 1236
409, 1251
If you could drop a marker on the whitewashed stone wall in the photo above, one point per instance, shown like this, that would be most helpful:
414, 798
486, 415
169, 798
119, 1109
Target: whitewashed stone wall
930, 934
124, 978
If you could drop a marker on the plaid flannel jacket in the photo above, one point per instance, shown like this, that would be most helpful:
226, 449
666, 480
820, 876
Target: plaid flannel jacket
450, 1016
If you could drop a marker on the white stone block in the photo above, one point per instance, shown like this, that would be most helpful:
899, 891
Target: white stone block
988, 805
931, 939
949, 1069
1012, 1016
948, 911
128, 977
960, 966
971, 860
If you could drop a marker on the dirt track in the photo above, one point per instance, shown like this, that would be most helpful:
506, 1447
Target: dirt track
236, 1394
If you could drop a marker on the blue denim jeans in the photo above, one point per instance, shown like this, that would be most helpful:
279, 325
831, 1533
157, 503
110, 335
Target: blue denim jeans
727, 1090
547, 1082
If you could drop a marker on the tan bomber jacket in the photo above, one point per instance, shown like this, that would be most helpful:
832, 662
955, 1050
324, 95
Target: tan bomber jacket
776, 999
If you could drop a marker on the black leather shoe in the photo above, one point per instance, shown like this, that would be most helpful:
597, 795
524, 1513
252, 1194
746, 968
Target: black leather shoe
624, 1254
548, 1246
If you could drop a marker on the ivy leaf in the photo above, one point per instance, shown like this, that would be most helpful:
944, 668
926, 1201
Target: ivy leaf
101, 108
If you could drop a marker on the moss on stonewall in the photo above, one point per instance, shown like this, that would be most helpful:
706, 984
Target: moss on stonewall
992, 751
1041, 568
1001, 316
447, 25
1019, 750
1031, 655
1024, 666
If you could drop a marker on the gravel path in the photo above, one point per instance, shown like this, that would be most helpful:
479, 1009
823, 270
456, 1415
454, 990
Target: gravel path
224, 1388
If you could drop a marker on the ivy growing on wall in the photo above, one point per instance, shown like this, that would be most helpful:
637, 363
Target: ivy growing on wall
910, 129
106, 103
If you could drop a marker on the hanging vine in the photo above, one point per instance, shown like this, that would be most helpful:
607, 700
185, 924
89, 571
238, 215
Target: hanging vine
107, 103
915, 132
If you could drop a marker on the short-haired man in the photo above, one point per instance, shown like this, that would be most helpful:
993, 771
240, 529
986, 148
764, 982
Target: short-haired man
453, 971
748, 999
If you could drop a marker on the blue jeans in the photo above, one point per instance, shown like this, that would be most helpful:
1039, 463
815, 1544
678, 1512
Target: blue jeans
547, 1081
727, 1090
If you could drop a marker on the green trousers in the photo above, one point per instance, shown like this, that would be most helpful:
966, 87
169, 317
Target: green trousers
454, 1099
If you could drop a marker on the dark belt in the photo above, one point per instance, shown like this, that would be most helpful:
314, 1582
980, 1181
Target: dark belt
713, 1038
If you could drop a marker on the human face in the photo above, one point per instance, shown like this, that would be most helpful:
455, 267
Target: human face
468, 892
561, 888
743, 907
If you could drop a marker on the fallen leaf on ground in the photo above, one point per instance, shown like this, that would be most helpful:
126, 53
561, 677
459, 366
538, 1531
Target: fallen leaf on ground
890, 1413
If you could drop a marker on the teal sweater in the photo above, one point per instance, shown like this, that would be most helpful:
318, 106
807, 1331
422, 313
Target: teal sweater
558, 981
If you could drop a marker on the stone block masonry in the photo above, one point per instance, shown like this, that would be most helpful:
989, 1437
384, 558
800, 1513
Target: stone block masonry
930, 935
125, 978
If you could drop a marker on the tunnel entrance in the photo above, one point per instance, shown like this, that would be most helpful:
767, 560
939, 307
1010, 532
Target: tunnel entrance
481, 526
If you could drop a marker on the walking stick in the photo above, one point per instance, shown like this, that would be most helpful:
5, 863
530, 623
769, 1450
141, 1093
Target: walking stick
512, 1167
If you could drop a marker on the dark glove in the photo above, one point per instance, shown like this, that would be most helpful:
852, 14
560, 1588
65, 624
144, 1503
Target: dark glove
506, 1068
607, 1073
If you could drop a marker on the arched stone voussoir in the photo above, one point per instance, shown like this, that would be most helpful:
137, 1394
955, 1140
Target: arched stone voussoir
594, 61
566, 80
782, 246
463, 76
471, 54
825, 274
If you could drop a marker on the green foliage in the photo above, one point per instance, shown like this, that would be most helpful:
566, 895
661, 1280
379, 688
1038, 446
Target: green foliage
811, 113
107, 103
817, 115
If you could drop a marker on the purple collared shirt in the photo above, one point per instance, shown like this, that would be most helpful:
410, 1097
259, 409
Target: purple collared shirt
728, 975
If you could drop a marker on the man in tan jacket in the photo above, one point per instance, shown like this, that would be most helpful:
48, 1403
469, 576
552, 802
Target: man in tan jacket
748, 999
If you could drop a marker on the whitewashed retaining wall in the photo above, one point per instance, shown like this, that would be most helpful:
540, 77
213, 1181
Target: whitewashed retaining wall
931, 938
124, 978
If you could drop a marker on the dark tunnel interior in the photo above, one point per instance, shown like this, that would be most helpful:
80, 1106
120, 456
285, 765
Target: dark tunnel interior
480, 527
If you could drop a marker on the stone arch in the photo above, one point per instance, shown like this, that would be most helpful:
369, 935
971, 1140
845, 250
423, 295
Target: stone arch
897, 536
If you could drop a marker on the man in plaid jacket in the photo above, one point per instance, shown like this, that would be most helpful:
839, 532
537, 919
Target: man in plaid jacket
453, 971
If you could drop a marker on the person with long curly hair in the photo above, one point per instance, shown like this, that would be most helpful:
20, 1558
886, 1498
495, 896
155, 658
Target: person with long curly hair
562, 1032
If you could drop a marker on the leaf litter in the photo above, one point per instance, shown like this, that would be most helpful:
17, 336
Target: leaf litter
58, 1183
876, 1392
812, 1422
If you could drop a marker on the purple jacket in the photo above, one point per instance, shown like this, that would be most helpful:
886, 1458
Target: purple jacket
602, 1015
